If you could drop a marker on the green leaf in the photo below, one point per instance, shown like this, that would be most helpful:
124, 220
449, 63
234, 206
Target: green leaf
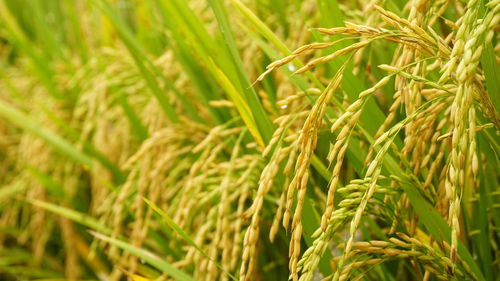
490, 67
22, 120
73, 215
39, 61
11, 190
184, 235
262, 120
147, 256
53, 188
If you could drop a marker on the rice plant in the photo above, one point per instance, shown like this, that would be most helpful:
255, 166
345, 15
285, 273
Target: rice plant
249, 140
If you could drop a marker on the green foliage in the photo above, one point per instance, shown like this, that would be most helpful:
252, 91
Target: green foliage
249, 140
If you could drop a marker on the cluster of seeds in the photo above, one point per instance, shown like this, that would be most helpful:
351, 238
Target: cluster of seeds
420, 52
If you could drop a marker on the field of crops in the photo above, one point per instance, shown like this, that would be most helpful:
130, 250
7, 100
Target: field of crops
246, 140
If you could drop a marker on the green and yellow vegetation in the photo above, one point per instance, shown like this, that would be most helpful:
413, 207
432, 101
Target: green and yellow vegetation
249, 140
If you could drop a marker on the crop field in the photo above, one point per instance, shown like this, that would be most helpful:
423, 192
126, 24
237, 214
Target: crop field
249, 140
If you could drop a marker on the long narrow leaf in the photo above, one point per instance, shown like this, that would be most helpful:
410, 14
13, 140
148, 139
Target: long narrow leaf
25, 122
147, 256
